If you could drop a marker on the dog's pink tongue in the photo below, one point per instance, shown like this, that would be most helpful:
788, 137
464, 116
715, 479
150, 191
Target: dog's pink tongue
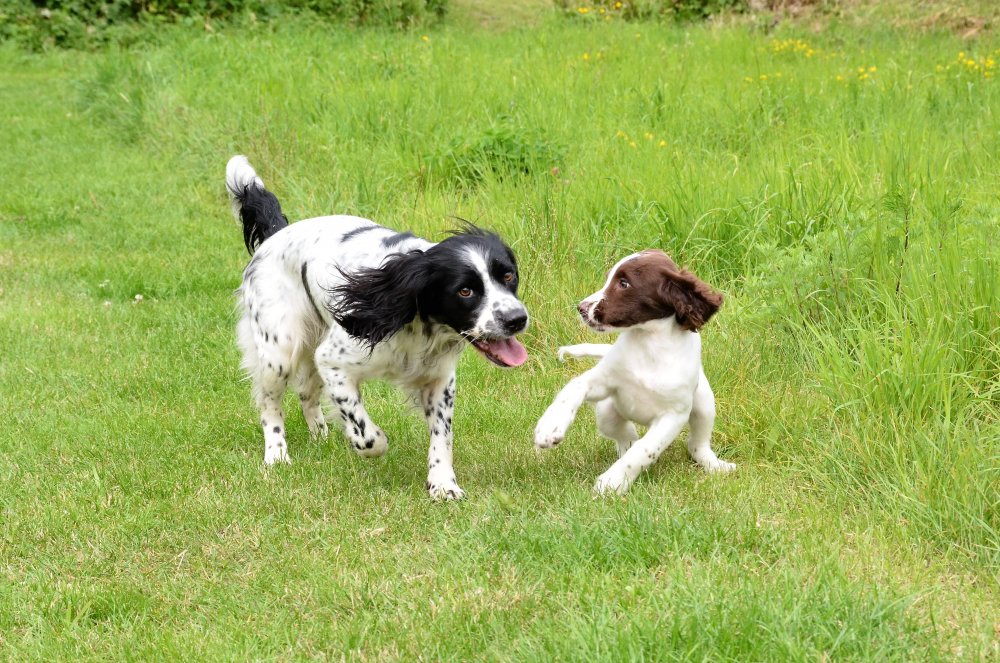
509, 351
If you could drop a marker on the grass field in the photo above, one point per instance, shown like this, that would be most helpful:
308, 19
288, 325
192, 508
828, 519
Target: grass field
840, 187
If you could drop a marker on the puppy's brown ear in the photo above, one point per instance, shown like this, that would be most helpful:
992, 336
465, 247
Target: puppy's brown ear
693, 300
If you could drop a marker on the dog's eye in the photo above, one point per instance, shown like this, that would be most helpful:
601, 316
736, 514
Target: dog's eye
508, 277
465, 292
623, 283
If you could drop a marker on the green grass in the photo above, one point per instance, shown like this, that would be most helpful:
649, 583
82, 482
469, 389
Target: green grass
851, 224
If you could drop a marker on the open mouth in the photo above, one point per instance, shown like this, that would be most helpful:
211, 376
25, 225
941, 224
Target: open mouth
506, 352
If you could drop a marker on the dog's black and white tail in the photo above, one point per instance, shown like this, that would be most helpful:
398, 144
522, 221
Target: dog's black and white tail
256, 207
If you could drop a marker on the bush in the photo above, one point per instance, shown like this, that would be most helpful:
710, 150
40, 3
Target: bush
500, 152
639, 10
75, 23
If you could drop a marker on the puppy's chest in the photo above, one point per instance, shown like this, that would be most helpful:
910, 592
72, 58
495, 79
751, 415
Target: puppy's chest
643, 393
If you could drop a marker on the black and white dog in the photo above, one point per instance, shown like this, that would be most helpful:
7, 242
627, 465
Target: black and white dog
332, 301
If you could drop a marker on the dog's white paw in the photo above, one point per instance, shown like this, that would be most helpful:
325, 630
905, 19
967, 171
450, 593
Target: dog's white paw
444, 490
611, 483
318, 429
561, 353
276, 454
718, 466
372, 445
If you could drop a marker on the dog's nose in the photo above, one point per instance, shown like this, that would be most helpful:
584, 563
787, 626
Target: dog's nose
514, 321
583, 308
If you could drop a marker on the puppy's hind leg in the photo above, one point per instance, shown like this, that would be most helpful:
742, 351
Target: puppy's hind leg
614, 426
699, 442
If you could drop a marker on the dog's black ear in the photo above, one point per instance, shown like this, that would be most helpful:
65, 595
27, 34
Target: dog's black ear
374, 304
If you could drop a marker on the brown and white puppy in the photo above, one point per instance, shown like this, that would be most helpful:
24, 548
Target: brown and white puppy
651, 376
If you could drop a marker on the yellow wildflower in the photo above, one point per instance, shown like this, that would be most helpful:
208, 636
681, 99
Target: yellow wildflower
631, 144
662, 143
586, 56
425, 38
583, 10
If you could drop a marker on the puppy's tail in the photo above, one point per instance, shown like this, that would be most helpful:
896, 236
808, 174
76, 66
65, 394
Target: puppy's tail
256, 207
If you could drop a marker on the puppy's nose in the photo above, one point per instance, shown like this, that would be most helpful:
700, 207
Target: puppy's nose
583, 308
514, 321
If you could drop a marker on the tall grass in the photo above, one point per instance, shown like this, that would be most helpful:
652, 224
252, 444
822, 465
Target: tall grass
840, 188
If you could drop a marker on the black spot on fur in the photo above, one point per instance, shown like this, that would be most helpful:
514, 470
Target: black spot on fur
277, 429
393, 240
305, 286
351, 234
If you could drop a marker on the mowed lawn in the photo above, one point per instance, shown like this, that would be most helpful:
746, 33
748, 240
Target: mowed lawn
841, 187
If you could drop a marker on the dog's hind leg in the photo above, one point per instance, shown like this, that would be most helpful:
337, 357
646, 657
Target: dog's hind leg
269, 364
310, 390
699, 442
614, 426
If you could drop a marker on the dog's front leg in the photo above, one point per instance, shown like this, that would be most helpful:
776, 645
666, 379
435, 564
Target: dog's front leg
438, 401
551, 428
365, 437
643, 453
335, 358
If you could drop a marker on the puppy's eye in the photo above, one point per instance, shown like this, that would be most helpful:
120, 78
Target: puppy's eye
623, 283
508, 277
465, 292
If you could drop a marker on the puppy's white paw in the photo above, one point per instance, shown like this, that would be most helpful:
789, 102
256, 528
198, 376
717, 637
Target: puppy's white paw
276, 455
561, 353
444, 490
550, 431
611, 483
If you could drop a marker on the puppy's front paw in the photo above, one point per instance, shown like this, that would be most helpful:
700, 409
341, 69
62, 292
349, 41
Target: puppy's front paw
611, 483
446, 490
549, 432
561, 353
